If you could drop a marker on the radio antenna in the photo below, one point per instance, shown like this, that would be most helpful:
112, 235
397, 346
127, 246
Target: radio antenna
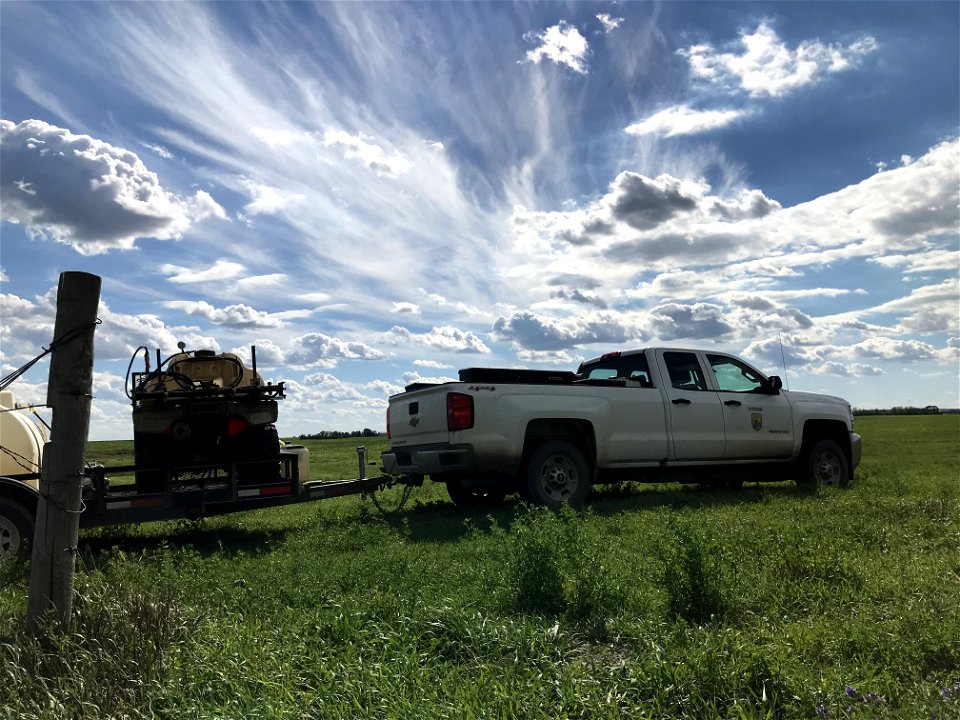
783, 358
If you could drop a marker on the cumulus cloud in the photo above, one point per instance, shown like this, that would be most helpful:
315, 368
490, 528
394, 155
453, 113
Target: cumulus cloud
562, 44
86, 193
405, 307
762, 65
237, 315
643, 203
885, 348
684, 120
545, 333
325, 351
700, 321
445, 337
578, 296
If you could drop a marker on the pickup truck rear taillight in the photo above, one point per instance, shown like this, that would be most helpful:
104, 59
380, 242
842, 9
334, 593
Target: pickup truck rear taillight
388, 422
459, 411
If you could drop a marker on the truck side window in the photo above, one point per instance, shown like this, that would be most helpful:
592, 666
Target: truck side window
684, 370
734, 376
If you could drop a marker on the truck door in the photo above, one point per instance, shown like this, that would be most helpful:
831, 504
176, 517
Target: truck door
695, 412
757, 424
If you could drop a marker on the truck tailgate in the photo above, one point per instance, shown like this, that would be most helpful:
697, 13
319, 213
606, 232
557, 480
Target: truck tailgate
420, 417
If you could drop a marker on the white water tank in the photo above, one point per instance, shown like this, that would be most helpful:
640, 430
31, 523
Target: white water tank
21, 439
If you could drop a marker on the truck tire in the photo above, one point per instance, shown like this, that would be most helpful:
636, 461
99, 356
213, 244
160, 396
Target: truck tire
557, 474
826, 464
16, 531
467, 496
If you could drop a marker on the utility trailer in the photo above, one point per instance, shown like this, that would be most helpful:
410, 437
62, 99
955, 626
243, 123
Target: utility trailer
204, 445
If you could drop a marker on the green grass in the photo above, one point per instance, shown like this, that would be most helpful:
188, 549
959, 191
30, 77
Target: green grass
653, 602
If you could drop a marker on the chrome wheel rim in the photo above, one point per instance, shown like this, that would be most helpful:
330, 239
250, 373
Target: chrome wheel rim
828, 470
559, 478
9, 539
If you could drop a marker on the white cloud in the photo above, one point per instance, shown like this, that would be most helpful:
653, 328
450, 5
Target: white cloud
441, 338
532, 331
221, 270
609, 22
237, 315
405, 307
562, 44
268, 200
86, 193
436, 365
374, 157
764, 66
158, 150
318, 349
884, 348
684, 120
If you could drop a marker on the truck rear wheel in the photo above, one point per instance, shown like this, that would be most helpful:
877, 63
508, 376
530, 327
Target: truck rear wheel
470, 496
558, 473
16, 531
827, 464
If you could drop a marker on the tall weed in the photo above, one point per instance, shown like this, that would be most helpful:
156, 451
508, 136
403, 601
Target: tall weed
110, 663
555, 570
693, 577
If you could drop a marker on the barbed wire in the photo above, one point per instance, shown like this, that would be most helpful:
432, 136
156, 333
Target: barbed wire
66, 337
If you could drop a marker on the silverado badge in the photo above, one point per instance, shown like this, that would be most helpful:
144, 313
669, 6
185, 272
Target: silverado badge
756, 420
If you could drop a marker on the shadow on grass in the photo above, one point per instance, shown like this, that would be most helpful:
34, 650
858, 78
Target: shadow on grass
205, 539
439, 521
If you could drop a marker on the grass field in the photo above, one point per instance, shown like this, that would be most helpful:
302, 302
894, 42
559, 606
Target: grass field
653, 602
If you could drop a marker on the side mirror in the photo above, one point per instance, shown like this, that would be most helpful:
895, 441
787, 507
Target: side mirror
774, 384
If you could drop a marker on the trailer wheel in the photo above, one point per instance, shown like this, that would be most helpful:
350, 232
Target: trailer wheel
558, 473
472, 496
16, 531
826, 464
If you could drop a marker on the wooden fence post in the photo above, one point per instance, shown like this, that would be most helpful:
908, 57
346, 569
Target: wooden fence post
69, 391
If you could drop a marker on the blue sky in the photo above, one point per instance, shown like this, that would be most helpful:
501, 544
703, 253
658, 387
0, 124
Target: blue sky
380, 193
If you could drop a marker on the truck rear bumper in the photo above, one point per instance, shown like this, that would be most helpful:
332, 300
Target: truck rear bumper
427, 459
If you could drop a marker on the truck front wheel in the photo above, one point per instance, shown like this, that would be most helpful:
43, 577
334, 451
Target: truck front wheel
827, 464
558, 473
16, 531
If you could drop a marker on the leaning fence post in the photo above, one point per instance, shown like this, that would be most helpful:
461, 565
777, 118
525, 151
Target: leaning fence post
69, 391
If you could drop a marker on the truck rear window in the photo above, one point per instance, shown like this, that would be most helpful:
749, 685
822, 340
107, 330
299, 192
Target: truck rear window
633, 367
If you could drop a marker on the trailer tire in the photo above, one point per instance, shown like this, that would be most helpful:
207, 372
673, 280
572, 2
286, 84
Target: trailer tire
473, 496
16, 531
826, 464
558, 474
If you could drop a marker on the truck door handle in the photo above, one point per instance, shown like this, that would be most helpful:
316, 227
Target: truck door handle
733, 403
680, 401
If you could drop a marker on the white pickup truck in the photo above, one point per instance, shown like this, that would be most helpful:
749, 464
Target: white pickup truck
660, 414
